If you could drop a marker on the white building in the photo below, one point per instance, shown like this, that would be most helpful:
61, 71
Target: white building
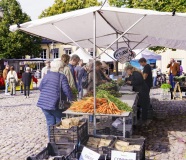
178, 55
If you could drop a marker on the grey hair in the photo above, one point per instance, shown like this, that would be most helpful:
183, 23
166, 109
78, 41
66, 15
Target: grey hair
56, 66
74, 57
27, 68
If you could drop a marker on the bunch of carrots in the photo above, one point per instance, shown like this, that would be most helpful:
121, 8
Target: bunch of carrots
103, 106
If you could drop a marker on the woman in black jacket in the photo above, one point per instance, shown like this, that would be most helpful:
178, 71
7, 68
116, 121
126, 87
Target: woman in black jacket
139, 85
26, 79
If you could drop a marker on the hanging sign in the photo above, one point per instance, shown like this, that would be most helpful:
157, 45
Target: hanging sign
123, 55
88, 154
117, 155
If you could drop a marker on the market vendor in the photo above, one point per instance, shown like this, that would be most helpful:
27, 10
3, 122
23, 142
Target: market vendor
139, 85
99, 79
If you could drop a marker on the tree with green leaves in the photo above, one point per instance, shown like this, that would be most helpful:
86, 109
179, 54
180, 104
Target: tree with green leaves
158, 5
61, 6
16, 44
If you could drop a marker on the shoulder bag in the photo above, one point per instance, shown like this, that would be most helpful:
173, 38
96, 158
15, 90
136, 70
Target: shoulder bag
63, 105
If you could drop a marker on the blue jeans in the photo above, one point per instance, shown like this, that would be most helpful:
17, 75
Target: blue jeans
171, 80
6, 86
154, 81
52, 117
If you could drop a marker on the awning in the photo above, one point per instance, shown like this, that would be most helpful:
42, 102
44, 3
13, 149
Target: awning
153, 28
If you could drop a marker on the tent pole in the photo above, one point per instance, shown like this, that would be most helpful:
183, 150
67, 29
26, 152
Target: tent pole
102, 50
116, 62
68, 37
123, 34
94, 69
139, 42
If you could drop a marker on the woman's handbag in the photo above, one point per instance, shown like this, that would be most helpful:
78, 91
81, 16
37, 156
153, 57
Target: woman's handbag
63, 105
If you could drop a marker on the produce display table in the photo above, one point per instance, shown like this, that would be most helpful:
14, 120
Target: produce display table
131, 100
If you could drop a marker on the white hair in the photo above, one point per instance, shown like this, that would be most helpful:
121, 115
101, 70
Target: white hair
56, 66
27, 68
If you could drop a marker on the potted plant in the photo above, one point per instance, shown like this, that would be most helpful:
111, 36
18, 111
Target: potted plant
166, 87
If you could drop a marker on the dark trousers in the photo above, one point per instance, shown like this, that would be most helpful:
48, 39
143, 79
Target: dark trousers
171, 80
26, 90
52, 117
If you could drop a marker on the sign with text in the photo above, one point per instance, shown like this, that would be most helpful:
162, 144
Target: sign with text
123, 55
88, 154
118, 155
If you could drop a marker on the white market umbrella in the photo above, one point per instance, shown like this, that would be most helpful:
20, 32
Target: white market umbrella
83, 55
147, 54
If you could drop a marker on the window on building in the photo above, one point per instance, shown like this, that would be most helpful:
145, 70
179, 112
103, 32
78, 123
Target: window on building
55, 52
68, 51
43, 54
91, 51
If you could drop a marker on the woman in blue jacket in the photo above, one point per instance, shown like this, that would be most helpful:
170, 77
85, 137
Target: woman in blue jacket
50, 93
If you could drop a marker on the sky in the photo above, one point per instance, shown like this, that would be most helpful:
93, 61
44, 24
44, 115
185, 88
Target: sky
34, 7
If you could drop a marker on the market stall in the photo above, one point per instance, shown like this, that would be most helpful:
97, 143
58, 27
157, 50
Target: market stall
102, 28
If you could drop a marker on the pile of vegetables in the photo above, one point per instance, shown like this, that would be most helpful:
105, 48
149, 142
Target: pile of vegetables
103, 106
166, 86
121, 105
179, 78
111, 87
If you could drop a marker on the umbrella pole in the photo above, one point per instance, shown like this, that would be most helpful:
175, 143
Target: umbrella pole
94, 68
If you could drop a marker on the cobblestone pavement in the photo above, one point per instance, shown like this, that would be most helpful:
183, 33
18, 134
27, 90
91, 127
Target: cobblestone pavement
23, 131
23, 128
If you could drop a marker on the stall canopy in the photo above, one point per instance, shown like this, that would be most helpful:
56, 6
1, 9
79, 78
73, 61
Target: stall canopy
138, 28
147, 54
84, 56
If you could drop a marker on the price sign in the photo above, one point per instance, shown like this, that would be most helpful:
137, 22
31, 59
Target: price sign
117, 155
123, 55
88, 154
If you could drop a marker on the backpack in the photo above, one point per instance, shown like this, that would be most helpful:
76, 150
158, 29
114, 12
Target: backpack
84, 81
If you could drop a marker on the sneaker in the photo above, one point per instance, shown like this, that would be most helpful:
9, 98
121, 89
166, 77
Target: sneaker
25, 96
7, 94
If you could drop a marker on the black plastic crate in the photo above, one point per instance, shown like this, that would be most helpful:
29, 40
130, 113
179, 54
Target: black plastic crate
98, 149
58, 151
74, 135
113, 131
75, 155
140, 155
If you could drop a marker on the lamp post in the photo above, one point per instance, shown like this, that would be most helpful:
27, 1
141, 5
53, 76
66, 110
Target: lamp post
53, 46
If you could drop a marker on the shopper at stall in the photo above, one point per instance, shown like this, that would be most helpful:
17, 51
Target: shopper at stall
26, 79
98, 76
65, 58
154, 75
50, 93
45, 69
74, 60
78, 68
147, 72
141, 87
174, 69
12, 80
5, 73
83, 79
181, 69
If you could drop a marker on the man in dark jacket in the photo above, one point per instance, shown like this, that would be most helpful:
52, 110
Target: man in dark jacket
147, 72
26, 79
